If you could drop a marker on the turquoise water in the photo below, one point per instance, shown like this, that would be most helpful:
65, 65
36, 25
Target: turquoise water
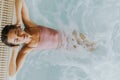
98, 19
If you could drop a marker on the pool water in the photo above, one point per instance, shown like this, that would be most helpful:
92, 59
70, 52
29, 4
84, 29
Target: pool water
98, 19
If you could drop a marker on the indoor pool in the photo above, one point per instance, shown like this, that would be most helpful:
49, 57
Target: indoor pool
98, 19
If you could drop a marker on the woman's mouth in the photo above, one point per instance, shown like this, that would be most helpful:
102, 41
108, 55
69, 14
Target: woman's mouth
25, 36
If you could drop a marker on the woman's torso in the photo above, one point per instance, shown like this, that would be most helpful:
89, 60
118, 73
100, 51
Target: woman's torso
44, 38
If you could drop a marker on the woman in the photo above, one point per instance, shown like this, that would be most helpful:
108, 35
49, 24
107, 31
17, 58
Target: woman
34, 37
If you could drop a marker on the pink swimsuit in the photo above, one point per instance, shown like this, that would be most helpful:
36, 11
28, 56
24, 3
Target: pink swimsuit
49, 39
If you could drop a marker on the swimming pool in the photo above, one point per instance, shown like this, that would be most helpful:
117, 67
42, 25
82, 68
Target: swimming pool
99, 19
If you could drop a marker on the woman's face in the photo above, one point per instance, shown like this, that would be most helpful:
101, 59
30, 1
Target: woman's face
18, 36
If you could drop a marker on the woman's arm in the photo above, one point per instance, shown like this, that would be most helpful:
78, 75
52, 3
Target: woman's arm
18, 7
22, 56
12, 64
17, 60
25, 16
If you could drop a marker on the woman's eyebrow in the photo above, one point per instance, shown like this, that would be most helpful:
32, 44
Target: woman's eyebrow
16, 31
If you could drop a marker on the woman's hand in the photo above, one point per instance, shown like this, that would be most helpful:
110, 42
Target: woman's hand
16, 47
18, 25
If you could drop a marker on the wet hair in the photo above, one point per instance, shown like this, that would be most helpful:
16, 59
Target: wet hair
4, 34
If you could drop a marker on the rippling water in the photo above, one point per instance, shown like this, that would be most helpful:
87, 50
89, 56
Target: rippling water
98, 19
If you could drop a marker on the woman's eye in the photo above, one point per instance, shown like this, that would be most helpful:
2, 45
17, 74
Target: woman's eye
16, 40
17, 32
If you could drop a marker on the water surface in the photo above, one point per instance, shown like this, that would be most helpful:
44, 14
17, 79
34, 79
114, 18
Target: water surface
98, 19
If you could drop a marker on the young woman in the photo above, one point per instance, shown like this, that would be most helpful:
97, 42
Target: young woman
34, 37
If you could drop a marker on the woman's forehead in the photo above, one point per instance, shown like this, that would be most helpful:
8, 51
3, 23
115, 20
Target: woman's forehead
11, 35
13, 30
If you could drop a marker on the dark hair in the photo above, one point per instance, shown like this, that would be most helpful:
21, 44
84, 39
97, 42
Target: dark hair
4, 33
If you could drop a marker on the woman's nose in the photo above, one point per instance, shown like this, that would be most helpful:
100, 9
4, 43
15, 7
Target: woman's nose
20, 34
20, 37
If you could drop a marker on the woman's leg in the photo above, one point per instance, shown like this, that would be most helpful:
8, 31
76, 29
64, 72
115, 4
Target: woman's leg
83, 40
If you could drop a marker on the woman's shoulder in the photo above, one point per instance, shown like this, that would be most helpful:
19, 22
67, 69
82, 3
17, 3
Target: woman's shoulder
26, 48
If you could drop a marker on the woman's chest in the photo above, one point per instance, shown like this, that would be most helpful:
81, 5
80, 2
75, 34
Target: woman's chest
35, 33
